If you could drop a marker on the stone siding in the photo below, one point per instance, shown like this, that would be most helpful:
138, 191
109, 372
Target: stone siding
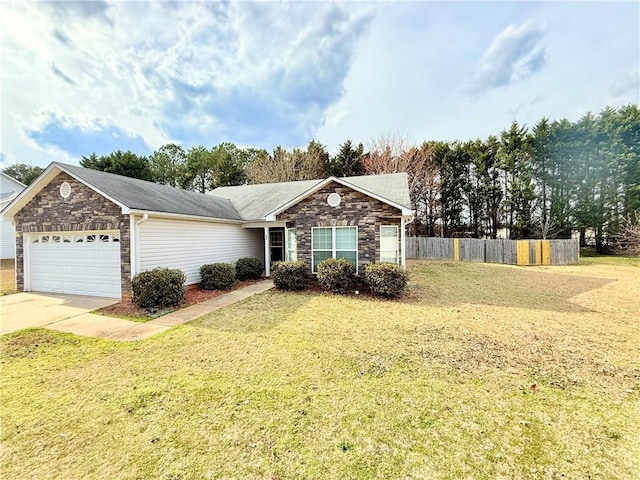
355, 209
84, 209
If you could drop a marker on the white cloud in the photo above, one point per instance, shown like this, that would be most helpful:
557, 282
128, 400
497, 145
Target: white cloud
263, 74
191, 72
514, 54
627, 86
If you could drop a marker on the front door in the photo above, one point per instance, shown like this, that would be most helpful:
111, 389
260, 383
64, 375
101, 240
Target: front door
276, 245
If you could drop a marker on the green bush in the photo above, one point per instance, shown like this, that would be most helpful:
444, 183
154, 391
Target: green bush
217, 276
290, 275
248, 268
158, 288
336, 275
386, 279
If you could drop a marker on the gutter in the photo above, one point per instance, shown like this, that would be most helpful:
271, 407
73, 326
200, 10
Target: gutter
182, 216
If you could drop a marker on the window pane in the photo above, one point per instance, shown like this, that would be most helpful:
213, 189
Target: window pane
351, 256
104, 238
346, 238
291, 245
322, 238
388, 231
91, 238
388, 243
66, 238
79, 238
55, 238
320, 256
391, 257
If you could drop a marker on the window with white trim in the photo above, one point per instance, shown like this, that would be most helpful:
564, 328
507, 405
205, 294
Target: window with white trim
334, 242
292, 253
389, 244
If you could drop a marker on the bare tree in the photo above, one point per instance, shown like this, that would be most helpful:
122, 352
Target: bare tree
288, 166
393, 154
628, 240
387, 154
279, 167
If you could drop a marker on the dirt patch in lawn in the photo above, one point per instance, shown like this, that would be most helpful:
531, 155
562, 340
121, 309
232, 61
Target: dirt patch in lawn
7, 276
128, 309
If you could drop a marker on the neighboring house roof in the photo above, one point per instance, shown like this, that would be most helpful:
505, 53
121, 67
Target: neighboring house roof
4, 197
258, 202
133, 194
8, 184
9, 189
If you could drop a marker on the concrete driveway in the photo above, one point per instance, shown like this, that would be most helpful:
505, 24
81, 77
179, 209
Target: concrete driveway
24, 310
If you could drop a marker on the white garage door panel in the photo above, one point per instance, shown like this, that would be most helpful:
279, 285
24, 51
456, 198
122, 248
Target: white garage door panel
75, 267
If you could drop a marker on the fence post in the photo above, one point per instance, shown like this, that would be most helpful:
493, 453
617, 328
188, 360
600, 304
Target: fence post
522, 250
456, 249
546, 252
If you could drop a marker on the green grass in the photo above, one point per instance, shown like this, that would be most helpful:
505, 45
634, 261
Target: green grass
318, 386
588, 256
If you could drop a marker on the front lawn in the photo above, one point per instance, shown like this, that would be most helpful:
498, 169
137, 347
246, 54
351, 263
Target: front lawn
484, 371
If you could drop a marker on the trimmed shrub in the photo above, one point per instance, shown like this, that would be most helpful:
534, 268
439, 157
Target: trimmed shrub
336, 275
217, 276
290, 275
386, 279
248, 268
158, 288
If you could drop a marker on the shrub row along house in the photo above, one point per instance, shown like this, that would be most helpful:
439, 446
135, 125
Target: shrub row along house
87, 232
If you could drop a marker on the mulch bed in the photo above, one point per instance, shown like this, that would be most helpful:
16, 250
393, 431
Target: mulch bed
126, 308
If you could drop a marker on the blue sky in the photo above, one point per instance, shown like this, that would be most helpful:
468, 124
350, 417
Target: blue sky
83, 77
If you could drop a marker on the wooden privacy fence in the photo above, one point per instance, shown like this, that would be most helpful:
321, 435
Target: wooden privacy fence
511, 252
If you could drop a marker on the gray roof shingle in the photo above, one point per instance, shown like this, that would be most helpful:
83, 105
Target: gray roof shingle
142, 195
254, 202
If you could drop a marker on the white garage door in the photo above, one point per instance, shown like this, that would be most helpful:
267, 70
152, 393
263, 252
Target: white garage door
82, 263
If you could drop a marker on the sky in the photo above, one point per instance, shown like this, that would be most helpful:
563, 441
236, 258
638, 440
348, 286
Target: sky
82, 77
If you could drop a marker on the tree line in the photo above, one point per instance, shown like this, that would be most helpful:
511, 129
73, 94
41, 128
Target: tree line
541, 182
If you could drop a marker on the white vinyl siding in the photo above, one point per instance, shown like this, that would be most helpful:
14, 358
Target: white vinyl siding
334, 242
7, 239
188, 245
77, 263
389, 244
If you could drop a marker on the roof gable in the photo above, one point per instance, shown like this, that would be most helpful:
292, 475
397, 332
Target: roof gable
265, 201
132, 194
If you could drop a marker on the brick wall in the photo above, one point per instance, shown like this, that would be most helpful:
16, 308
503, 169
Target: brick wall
84, 209
355, 209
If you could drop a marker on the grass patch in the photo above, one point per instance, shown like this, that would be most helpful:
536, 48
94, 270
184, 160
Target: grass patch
588, 256
313, 385
7, 277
